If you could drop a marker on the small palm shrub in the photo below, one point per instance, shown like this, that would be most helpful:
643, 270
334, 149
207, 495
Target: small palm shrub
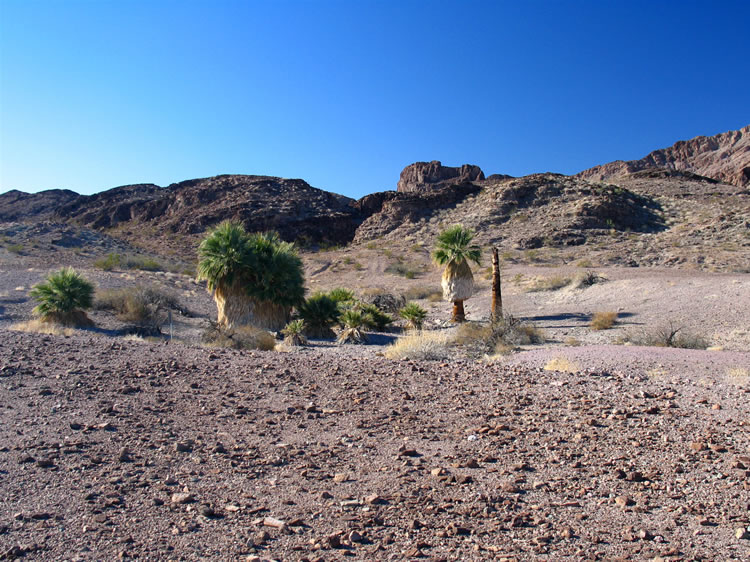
414, 315
353, 323
320, 313
373, 317
294, 333
63, 298
341, 296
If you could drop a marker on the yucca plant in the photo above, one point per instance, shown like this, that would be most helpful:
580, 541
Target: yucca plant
256, 278
353, 323
320, 313
63, 298
454, 250
373, 317
294, 333
414, 315
341, 295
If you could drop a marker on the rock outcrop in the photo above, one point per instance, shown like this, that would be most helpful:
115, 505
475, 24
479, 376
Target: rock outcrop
724, 157
422, 177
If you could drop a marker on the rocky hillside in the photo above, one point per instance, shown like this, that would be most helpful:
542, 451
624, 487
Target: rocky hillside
423, 177
724, 157
166, 218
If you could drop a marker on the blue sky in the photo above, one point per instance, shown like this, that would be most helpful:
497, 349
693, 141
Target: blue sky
344, 94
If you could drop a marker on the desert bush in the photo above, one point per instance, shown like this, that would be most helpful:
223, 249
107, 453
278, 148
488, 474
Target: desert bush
352, 322
15, 248
387, 302
498, 337
414, 315
294, 333
431, 294
403, 269
320, 313
603, 320
63, 298
239, 337
421, 346
587, 279
116, 261
667, 335
144, 308
548, 284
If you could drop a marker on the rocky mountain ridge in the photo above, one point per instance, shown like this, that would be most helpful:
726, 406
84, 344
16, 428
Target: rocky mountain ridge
724, 157
541, 211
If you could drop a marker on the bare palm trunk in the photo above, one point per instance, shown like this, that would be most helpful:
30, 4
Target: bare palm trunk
458, 312
235, 308
497, 298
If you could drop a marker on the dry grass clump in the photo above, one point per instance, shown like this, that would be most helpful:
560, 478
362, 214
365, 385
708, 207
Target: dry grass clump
667, 335
562, 365
239, 337
572, 342
739, 376
421, 346
603, 320
431, 294
548, 284
37, 326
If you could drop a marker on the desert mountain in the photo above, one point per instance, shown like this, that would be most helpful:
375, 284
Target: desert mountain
653, 211
724, 157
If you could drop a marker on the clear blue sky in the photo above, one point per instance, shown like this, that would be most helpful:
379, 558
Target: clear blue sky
96, 94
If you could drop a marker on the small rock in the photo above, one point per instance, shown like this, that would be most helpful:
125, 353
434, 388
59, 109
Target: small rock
341, 477
645, 535
697, 446
45, 463
354, 536
742, 534
124, 455
623, 501
184, 446
260, 538
207, 511
182, 498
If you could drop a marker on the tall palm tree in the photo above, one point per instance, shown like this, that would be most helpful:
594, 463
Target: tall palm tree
454, 250
256, 278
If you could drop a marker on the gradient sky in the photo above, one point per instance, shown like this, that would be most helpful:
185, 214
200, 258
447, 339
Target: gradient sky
344, 94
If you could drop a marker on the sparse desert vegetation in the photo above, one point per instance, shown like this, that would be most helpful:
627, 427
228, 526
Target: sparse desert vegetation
603, 320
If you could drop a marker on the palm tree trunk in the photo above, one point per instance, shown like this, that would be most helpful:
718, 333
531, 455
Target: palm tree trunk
458, 312
497, 299
235, 308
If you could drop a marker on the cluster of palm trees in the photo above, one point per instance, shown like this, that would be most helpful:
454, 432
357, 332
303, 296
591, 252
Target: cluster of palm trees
257, 279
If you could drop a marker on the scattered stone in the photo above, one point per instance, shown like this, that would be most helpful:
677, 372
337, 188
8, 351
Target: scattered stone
184, 446
124, 455
341, 477
742, 534
182, 498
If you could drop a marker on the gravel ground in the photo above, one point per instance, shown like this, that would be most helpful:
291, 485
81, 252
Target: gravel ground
112, 448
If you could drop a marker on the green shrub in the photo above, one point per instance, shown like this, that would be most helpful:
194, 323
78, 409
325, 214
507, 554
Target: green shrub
63, 297
320, 313
116, 261
373, 317
341, 295
15, 248
402, 269
432, 294
414, 315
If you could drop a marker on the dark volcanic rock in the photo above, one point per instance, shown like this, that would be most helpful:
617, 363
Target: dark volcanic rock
422, 177
17, 205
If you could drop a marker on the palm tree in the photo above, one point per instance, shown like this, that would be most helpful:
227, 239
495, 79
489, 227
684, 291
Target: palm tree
63, 297
454, 250
256, 278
